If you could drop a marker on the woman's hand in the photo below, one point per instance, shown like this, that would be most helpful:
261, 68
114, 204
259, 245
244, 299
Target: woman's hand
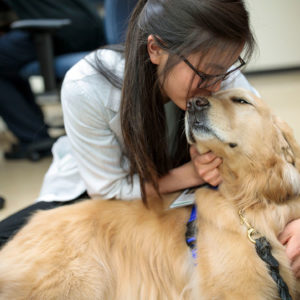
290, 237
206, 166
202, 168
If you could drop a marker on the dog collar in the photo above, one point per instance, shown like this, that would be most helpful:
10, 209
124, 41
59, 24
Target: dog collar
191, 232
191, 228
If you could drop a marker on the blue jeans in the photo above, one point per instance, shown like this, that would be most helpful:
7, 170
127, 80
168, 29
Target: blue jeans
17, 103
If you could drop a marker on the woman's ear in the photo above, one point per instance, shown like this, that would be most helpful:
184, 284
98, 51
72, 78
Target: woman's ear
156, 53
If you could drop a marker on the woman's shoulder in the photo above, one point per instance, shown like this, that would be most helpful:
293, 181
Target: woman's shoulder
89, 65
85, 89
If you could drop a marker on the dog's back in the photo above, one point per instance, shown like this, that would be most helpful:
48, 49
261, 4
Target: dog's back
98, 250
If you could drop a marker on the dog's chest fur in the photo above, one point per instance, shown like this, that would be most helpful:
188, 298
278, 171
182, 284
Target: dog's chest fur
228, 265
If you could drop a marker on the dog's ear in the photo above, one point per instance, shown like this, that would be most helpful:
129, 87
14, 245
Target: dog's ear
289, 147
289, 151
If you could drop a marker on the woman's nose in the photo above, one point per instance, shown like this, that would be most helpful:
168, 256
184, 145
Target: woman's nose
208, 91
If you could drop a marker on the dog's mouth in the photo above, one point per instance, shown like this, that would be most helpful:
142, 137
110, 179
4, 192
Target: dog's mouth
198, 130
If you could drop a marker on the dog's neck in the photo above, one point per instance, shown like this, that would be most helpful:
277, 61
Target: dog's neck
233, 186
257, 180
258, 211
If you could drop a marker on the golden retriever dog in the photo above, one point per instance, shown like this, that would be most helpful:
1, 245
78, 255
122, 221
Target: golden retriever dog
118, 250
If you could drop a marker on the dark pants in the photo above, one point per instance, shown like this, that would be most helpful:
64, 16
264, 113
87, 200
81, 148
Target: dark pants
17, 104
11, 225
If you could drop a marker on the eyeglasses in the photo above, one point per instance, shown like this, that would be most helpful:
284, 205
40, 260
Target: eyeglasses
211, 80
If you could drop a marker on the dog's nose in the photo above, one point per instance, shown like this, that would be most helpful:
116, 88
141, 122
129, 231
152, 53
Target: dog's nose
198, 103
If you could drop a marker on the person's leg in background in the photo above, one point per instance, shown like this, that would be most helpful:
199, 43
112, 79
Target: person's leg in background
12, 224
17, 103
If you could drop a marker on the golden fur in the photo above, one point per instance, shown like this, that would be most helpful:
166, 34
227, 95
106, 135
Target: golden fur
117, 250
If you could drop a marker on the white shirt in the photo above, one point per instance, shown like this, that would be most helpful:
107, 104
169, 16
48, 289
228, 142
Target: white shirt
89, 158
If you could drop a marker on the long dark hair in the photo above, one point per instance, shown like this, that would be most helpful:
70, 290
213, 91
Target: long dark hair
180, 27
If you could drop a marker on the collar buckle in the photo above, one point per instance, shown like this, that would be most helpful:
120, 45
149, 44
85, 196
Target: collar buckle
250, 229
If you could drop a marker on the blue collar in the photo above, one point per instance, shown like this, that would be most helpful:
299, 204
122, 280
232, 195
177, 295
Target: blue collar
191, 228
191, 232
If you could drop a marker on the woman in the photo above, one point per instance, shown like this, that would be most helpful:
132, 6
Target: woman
123, 110
114, 133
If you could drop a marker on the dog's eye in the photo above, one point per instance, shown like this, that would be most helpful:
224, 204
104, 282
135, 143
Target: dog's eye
239, 100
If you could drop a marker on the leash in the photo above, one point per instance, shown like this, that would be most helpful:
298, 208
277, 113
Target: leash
264, 251
262, 247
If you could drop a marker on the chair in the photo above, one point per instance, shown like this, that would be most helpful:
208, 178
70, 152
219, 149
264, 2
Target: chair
53, 69
117, 13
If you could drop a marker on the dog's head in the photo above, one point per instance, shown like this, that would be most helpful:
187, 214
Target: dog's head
261, 159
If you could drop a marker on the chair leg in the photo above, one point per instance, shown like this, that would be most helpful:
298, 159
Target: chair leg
43, 42
2, 202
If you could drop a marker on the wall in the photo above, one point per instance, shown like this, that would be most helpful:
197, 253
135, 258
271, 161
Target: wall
276, 24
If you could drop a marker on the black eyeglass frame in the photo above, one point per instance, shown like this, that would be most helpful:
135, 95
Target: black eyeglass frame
206, 77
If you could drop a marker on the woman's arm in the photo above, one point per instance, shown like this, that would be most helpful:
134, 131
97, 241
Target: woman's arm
290, 238
177, 179
202, 168
95, 146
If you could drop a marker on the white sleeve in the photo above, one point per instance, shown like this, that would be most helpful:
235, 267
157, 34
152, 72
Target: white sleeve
94, 145
238, 80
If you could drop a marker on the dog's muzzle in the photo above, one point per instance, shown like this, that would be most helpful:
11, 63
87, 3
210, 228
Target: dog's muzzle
197, 109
